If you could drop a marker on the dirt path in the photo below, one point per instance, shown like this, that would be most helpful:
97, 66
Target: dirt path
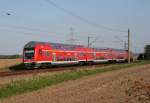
123, 86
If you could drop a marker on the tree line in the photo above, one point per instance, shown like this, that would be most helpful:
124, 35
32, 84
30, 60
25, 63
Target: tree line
15, 56
146, 54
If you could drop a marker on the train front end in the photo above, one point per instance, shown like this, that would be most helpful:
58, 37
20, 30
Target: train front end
29, 57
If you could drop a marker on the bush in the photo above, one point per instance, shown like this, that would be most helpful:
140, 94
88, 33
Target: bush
17, 67
10, 56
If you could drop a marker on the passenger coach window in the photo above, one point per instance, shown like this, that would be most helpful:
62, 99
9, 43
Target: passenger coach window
82, 54
46, 53
40, 51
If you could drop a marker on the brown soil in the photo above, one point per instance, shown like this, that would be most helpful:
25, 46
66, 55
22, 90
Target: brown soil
123, 86
5, 63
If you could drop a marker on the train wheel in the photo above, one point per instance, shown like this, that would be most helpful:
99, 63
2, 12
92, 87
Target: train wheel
81, 63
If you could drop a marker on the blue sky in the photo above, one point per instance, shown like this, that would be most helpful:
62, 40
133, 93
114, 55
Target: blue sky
38, 20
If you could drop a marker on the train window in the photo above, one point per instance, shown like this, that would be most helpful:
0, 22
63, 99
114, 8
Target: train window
100, 58
61, 59
82, 54
120, 57
40, 51
54, 56
29, 54
70, 59
65, 59
64, 46
58, 59
46, 53
92, 54
107, 54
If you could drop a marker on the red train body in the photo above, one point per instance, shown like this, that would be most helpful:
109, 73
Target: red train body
41, 54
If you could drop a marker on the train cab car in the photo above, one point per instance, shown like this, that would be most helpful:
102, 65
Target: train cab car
43, 54
33, 54
29, 54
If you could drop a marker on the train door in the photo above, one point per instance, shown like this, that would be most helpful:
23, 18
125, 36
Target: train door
53, 56
94, 55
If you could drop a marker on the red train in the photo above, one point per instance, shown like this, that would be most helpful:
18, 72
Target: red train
44, 54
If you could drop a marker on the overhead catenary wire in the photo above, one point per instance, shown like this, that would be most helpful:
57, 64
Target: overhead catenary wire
25, 28
81, 18
28, 33
33, 31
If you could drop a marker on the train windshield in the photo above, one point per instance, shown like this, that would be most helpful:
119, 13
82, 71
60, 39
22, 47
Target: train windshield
29, 54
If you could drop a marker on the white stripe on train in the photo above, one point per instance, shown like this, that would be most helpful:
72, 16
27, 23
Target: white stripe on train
65, 62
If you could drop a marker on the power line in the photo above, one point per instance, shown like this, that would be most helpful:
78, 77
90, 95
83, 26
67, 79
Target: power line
25, 28
8, 30
30, 31
27, 33
81, 18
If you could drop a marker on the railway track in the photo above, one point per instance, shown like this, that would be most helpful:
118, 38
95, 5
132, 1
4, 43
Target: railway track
37, 71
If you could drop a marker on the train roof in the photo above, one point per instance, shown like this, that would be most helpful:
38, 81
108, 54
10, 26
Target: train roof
119, 50
32, 44
63, 46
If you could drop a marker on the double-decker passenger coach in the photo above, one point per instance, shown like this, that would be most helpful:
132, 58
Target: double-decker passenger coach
44, 54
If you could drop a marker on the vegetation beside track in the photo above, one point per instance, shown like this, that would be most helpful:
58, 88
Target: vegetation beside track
41, 82
15, 56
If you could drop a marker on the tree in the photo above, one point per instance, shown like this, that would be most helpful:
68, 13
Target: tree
141, 56
147, 52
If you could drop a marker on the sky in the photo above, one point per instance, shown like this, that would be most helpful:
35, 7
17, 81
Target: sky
105, 21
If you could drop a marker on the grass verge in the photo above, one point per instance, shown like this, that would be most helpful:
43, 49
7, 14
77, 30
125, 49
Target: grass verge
41, 82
